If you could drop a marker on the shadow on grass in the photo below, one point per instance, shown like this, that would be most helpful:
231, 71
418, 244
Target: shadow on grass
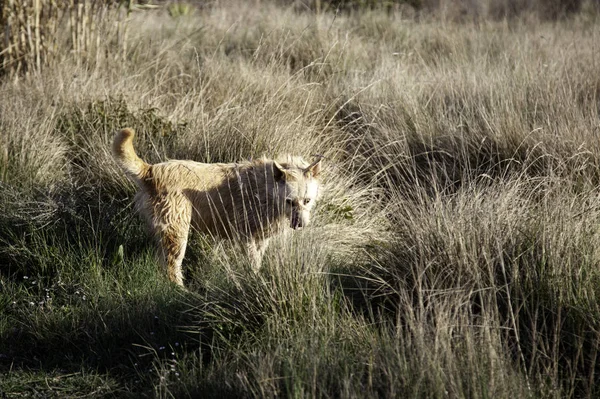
550, 337
81, 294
122, 336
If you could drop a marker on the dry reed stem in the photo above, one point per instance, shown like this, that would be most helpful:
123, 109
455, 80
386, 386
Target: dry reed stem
31, 31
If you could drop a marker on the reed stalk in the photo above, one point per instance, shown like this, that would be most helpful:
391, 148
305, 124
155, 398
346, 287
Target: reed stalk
33, 36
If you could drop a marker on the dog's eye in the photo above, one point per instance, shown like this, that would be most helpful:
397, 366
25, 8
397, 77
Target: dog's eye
306, 201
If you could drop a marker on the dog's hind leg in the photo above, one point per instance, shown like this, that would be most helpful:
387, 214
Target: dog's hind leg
173, 230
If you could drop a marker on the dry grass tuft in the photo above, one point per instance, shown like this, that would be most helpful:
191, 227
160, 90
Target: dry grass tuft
33, 31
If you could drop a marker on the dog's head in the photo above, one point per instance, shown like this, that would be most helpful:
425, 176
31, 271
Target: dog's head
299, 186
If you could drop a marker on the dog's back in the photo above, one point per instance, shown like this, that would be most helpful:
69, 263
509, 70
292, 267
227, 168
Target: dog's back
227, 200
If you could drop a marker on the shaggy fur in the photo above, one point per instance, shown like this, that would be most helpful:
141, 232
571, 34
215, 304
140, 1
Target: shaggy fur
248, 202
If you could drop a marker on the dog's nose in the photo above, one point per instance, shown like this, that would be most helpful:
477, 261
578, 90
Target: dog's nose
296, 222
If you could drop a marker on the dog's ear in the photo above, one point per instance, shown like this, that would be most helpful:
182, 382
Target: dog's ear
278, 172
314, 168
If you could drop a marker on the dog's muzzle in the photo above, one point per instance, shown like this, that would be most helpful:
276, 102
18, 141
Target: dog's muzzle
296, 221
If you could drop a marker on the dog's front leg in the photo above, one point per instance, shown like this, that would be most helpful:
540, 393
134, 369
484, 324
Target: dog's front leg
256, 251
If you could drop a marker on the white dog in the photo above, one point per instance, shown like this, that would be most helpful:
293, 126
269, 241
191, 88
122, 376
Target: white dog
248, 201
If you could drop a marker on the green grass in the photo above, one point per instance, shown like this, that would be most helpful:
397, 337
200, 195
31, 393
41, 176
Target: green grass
453, 253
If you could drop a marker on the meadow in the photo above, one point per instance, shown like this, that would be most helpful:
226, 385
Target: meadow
454, 253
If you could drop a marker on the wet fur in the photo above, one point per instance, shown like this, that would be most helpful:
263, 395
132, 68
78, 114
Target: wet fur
248, 202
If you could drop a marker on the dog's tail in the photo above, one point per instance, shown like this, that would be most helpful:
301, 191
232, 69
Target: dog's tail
126, 157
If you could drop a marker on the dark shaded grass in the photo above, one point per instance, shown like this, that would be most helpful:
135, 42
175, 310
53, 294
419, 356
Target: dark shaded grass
82, 295
551, 10
539, 290
521, 273
121, 322
399, 158
75, 329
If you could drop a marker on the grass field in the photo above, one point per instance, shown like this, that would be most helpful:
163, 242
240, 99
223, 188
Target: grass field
455, 252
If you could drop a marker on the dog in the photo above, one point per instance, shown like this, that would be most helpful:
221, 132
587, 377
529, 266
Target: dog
248, 202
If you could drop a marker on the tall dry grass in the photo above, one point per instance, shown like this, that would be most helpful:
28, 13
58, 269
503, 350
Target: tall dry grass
453, 253
33, 31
